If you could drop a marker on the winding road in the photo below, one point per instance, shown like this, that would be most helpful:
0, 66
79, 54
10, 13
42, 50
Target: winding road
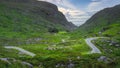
21, 50
88, 41
92, 46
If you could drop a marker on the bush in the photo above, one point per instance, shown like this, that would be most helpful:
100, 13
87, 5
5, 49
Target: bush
53, 30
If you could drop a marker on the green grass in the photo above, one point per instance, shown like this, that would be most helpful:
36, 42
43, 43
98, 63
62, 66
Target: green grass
109, 51
113, 31
70, 49
63, 46
61, 53
64, 51
18, 24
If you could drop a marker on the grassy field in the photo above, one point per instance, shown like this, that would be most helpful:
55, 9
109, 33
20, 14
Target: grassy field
109, 50
53, 49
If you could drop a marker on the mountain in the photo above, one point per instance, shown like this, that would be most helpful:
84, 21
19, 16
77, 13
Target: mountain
31, 16
103, 20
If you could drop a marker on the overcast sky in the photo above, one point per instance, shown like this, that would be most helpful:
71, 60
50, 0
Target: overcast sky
78, 11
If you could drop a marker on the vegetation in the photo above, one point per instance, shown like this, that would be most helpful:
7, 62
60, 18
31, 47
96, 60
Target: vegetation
39, 32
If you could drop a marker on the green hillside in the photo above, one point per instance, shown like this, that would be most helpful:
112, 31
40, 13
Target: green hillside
102, 19
30, 18
105, 23
38, 28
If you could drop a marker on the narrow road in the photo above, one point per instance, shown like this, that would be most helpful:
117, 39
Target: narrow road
92, 46
21, 50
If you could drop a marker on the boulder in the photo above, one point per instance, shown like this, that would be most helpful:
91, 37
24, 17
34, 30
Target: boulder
71, 65
104, 59
27, 64
117, 45
78, 57
58, 65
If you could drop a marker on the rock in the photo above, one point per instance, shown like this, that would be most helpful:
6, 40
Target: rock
110, 44
95, 35
71, 65
28, 64
58, 65
105, 50
40, 65
54, 45
113, 43
70, 60
117, 45
70, 48
78, 57
12, 59
118, 33
104, 59
60, 47
62, 65
63, 41
9, 60
48, 48
37, 39
51, 48
27, 42
110, 50
19, 43
33, 40
103, 40
100, 32
108, 41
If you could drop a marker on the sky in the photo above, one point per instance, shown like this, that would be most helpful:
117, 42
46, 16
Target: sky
79, 11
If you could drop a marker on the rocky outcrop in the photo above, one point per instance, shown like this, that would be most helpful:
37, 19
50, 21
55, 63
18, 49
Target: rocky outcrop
104, 59
12, 61
27, 64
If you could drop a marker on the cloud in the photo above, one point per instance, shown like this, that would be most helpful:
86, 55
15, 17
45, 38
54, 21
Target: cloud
61, 3
78, 16
97, 5
69, 10
94, 6
95, 0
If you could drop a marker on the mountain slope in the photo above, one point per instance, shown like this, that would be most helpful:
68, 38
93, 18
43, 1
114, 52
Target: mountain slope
105, 23
19, 17
102, 19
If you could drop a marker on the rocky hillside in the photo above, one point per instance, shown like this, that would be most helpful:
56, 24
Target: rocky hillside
31, 16
102, 19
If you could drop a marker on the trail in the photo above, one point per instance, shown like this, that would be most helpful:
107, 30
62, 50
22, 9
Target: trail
21, 50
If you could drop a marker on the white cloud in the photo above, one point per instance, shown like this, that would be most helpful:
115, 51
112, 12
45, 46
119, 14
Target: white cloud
78, 16
69, 10
101, 4
94, 6
97, 5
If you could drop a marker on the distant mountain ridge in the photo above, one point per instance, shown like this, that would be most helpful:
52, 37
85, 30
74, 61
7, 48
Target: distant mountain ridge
101, 19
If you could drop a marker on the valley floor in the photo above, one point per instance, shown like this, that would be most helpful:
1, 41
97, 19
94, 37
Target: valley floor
56, 51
